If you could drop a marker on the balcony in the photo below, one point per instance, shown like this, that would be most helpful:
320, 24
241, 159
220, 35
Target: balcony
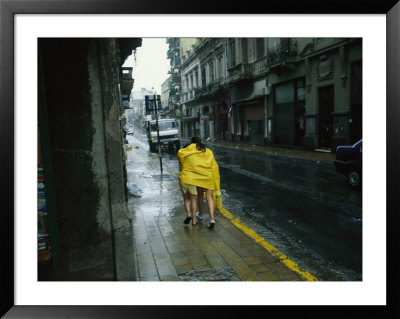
284, 52
258, 67
175, 61
212, 90
127, 81
240, 72
188, 96
169, 54
176, 79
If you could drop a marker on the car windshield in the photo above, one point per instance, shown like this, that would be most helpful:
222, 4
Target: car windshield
164, 126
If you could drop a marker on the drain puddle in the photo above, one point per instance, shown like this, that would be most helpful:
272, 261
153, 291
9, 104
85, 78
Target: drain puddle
219, 274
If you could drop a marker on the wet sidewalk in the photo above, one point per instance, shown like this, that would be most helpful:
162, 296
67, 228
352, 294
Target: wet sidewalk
168, 250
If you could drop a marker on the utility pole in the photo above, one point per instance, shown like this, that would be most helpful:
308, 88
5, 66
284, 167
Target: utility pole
152, 106
158, 131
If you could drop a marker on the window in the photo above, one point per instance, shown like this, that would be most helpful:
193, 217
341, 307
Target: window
211, 72
260, 47
356, 83
203, 76
244, 51
232, 51
163, 126
301, 92
220, 67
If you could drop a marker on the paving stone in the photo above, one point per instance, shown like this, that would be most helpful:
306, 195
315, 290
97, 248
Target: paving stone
216, 261
258, 250
243, 251
193, 252
199, 262
259, 268
245, 273
267, 258
252, 260
268, 276
165, 267
146, 266
207, 249
154, 278
169, 278
143, 248
173, 248
159, 248
181, 261
178, 254
279, 268
184, 269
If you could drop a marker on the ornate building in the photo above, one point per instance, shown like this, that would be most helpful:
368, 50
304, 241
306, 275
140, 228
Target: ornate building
297, 92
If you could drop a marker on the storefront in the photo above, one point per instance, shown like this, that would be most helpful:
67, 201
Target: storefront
222, 116
289, 109
249, 121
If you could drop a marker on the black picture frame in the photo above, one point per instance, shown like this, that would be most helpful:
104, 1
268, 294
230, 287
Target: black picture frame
8, 10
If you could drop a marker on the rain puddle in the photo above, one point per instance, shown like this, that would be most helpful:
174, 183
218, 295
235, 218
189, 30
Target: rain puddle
219, 274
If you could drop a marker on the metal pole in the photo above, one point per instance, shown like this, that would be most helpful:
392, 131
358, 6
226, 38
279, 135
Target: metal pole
158, 133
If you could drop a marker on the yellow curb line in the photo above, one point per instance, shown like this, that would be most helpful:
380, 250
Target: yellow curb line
267, 246
261, 241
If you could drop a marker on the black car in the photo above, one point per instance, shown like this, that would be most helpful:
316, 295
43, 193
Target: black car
349, 162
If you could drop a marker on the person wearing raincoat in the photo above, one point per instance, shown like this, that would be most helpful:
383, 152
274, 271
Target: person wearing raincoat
198, 167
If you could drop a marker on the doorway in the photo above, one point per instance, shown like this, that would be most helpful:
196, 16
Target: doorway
325, 115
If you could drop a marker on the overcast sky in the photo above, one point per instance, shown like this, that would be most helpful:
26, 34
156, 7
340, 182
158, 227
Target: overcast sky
151, 67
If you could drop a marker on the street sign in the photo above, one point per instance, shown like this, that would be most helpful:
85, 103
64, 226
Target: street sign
150, 102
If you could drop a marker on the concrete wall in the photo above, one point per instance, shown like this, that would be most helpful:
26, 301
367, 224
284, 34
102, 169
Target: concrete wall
82, 101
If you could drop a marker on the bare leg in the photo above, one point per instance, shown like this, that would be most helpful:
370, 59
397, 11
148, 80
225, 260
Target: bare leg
210, 202
186, 201
200, 192
193, 203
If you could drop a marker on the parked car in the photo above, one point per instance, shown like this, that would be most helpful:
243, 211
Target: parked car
349, 162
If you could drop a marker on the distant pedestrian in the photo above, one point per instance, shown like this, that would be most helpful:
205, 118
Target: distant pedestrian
199, 168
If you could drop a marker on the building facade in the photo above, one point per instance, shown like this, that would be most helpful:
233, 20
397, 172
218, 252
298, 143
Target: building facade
177, 49
297, 92
136, 114
81, 158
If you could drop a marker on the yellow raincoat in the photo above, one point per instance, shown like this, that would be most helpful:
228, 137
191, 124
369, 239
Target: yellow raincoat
198, 168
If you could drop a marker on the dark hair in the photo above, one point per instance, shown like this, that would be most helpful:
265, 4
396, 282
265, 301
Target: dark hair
199, 145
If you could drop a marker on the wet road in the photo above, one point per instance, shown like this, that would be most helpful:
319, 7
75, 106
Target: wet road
303, 208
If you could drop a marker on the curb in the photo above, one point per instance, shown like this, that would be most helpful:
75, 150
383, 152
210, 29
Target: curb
248, 148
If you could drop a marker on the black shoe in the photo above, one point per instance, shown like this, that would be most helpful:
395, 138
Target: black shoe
211, 226
187, 220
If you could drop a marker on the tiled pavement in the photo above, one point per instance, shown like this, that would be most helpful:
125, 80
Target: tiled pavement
168, 250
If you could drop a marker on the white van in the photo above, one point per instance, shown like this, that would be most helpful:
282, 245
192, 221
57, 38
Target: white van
168, 131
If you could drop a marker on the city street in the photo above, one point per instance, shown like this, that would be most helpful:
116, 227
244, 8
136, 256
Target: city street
301, 207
